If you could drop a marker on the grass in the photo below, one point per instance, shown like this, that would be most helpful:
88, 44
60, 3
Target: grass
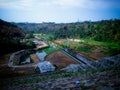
107, 48
42, 36
49, 49
81, 46
100, 43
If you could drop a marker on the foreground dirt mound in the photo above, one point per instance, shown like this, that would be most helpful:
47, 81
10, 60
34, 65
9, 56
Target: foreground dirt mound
107, 80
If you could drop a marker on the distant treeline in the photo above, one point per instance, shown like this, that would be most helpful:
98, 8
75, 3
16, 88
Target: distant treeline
105, 30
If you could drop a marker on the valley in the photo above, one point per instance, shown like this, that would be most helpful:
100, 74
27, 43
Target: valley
57, 55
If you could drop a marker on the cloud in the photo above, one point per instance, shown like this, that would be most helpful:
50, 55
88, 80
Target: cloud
92, 4
34, 4
16, 4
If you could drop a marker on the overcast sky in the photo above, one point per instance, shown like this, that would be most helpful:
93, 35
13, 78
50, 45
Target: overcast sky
58, 10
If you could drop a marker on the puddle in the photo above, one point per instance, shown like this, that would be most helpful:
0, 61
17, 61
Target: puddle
27, 60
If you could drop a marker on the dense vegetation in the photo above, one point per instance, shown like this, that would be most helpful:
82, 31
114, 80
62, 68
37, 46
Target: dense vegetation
10, 38
105, 30
11, 35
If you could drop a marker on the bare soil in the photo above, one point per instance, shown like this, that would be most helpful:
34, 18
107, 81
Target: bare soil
4, 59
6, 71
42, 44
95, 54
34, 58
59, 59
59, 41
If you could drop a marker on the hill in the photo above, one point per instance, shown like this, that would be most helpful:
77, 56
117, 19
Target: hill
105, 30
10, 36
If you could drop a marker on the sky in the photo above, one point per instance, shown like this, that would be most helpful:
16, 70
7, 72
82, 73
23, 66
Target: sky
59, 11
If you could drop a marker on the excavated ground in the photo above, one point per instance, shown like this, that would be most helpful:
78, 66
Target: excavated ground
59, 59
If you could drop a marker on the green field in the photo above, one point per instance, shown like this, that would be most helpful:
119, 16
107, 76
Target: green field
88, 45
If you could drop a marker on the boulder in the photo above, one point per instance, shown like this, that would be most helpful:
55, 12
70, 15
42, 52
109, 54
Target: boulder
72, 68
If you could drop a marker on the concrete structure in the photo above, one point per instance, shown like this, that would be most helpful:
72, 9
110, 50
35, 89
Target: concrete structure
41, 55
45, 67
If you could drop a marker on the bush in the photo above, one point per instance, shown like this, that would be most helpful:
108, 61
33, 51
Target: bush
30, 44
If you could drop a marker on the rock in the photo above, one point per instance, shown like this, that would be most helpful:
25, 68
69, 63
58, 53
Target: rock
72, 68
88, 83
107, 88
107, 62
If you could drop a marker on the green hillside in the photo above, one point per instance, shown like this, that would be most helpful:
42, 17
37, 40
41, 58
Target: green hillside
105, 30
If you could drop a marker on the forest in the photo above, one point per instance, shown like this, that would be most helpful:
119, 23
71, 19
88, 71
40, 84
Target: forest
16, 35
105, 30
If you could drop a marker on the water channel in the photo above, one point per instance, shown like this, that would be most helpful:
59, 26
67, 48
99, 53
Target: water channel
42, 65
41, 55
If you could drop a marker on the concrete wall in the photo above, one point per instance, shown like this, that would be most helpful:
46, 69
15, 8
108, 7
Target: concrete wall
16, 57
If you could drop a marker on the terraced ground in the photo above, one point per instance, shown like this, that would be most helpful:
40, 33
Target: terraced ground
100, 79
57, 58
